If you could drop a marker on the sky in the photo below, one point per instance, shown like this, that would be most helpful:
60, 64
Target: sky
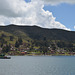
44, 13
64, 13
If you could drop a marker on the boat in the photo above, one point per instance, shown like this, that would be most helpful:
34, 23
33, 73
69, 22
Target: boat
2, 56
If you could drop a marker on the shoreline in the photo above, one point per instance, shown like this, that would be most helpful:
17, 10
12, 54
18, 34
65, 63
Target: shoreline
40, 55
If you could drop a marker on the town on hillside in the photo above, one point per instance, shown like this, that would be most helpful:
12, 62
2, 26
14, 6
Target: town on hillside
36, 47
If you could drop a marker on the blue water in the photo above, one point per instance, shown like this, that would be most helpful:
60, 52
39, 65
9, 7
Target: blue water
38, 65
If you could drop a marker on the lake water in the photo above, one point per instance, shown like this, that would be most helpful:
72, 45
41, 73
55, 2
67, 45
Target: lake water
38, 65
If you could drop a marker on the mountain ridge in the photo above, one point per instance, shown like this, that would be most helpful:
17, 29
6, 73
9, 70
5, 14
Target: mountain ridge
36, 32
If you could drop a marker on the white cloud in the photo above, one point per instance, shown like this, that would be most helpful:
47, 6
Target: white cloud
55, 2
74, 27
32, 13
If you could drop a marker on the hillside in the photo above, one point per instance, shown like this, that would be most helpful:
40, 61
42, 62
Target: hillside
34, 32
16, 39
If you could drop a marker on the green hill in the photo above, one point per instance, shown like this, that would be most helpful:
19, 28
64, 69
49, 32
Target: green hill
36, 38
35, 32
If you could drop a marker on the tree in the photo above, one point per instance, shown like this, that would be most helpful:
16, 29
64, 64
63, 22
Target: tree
20, 41
3, 35
6, 49
11, 38
1, 44
44, 46
45, 49
17, 44
53, 46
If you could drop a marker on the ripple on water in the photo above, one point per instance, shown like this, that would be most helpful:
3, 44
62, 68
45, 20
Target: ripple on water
38, 65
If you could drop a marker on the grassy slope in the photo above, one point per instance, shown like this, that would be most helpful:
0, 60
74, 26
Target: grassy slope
34, 32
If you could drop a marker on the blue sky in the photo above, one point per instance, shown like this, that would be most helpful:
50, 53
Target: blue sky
28, 0
64, 13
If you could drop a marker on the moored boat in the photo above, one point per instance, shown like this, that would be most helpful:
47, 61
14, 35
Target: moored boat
2, 56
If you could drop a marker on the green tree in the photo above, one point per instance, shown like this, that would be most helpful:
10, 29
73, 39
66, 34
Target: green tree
17, 44
20, 41
6, 49
11, 38
44, 46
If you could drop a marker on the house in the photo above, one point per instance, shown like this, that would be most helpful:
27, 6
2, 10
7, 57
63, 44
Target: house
23, 53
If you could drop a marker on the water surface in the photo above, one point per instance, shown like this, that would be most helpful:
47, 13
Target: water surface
38, 65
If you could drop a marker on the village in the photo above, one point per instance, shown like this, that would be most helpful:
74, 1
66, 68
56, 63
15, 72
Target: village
25, 49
